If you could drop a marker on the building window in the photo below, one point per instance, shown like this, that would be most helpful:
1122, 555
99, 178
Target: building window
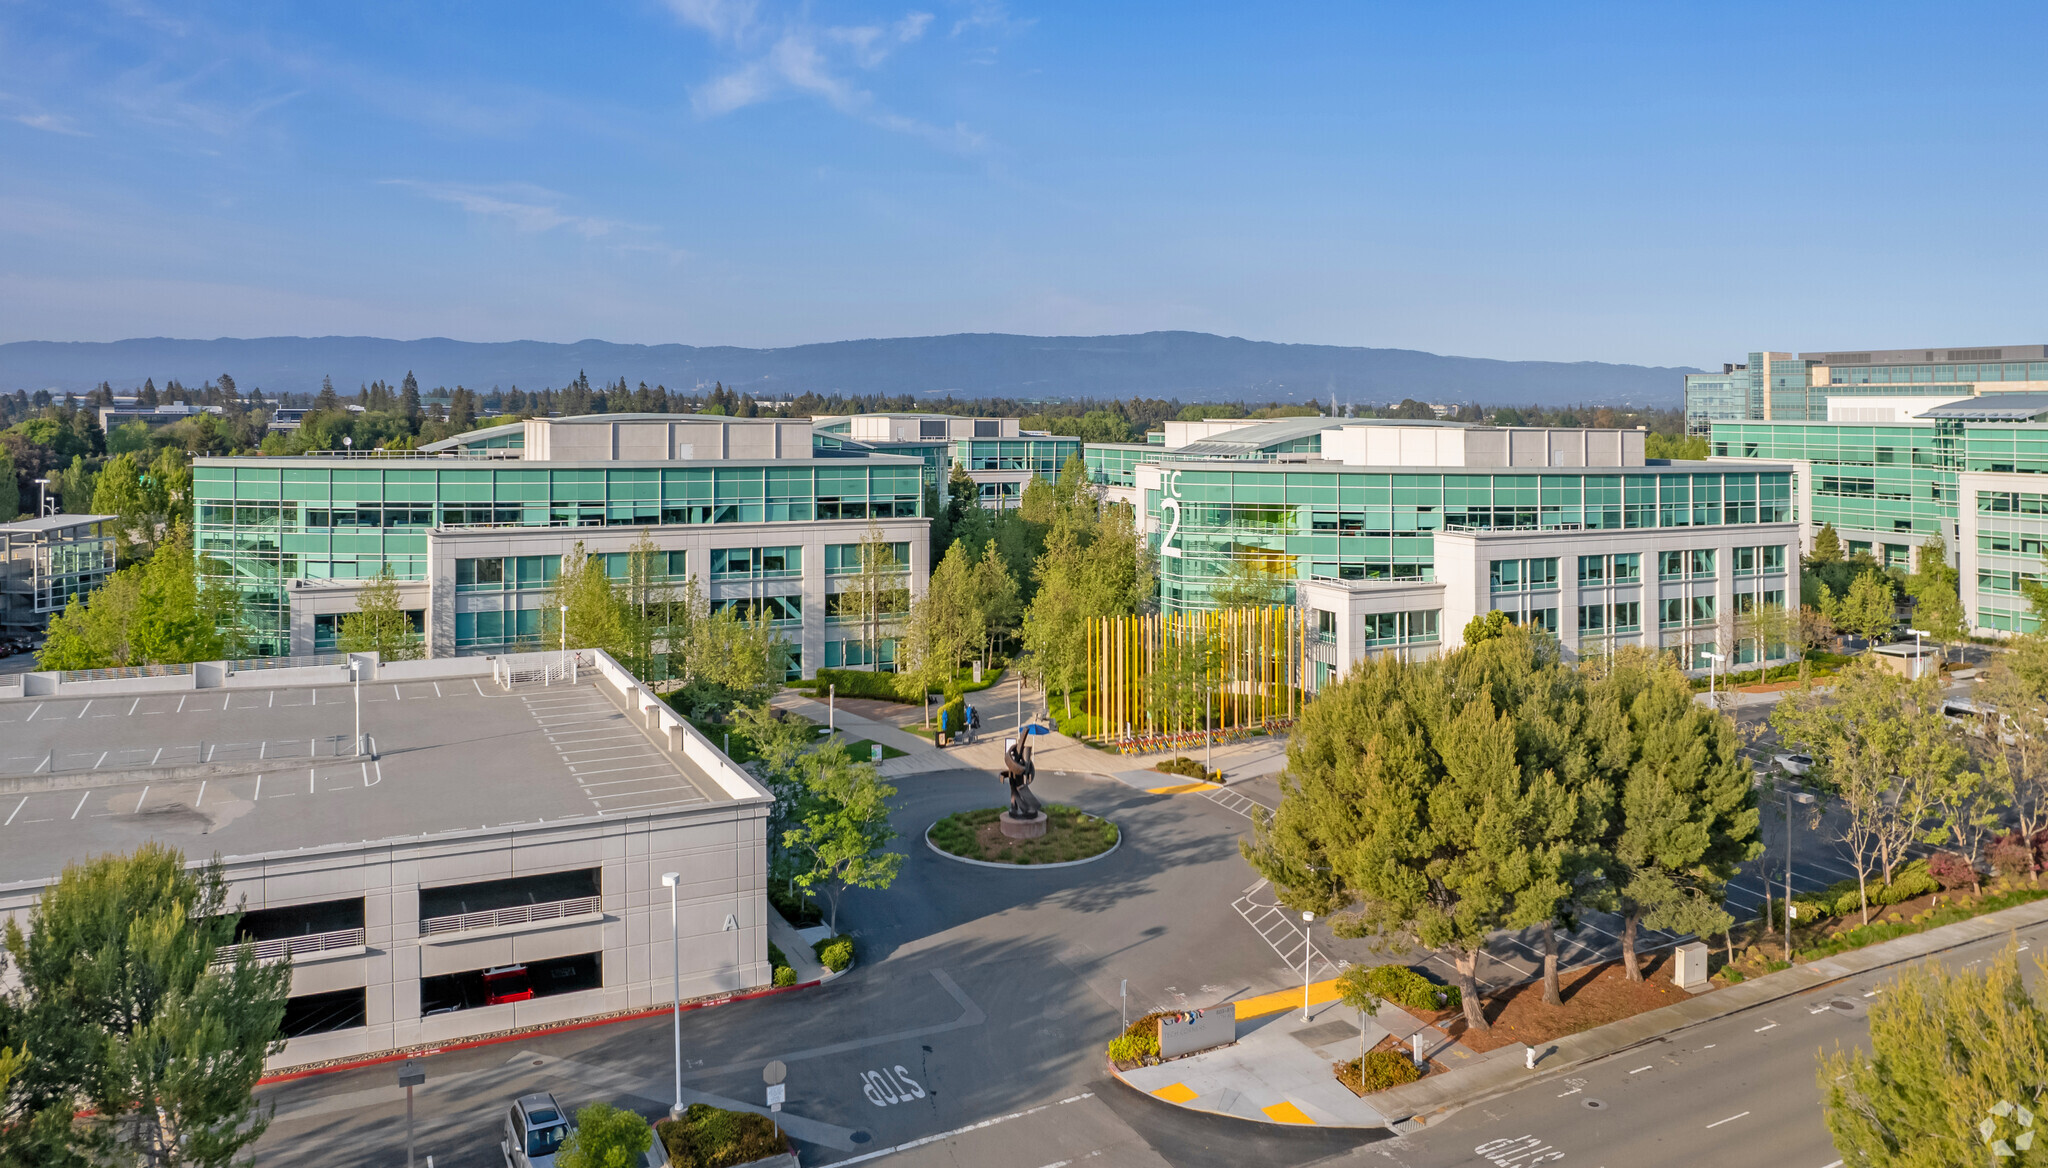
1401, 628
1671, 565
1703, 610
1326, 626
1593, 571
1702, 562
1628, 616
1628, 568
843, 559
1773, 558
1671, 612
1592, 619
757, 563
1537, 618
1524, 575
1745, 561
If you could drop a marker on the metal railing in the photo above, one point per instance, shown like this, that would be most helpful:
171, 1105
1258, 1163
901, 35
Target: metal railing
244, 664
490, 452
553, 910
278, 947
1515, 527
541, 668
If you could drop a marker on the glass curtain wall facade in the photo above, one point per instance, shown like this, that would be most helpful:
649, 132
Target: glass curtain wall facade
270, 522
1360, 525
1042, 456
1898, 480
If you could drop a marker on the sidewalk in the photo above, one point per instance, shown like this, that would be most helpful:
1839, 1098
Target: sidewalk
1273, 1067
795, 949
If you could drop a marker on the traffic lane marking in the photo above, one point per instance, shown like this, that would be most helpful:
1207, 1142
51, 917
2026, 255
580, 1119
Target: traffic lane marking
1730, 1119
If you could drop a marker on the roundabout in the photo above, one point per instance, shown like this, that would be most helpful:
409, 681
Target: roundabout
1061, 837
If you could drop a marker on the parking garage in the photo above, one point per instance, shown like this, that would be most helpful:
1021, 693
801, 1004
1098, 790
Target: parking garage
490, 858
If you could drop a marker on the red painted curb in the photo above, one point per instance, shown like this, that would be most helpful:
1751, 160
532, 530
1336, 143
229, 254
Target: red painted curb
543, 1032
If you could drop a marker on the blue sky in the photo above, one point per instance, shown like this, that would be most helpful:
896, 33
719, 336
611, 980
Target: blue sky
1634, 182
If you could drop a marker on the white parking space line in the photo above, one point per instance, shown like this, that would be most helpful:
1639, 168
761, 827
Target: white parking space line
1732, 1119
81, 804
15, 812
87, 706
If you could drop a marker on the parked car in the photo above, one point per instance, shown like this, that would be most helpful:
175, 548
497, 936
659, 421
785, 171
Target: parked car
535, 1127
1794, 764
506, 983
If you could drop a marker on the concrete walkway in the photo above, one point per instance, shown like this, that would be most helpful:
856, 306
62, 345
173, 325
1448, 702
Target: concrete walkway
1267, 1067
795, 949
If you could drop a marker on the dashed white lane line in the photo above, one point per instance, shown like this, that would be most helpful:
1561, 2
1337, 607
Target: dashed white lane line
1761, 1029
1732, 1119
1641, 1069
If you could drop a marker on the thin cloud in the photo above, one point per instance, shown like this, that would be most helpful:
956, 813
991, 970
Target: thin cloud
530, 210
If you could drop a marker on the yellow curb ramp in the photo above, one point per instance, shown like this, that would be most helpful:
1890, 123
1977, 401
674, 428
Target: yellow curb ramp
1182, 789
1176, 1093
1285, 1112
1280, 1001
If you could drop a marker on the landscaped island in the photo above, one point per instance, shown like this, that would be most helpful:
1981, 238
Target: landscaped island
1070, 835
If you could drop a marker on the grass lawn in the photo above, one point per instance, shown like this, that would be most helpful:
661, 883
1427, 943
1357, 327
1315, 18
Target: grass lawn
863, 750
1070, 834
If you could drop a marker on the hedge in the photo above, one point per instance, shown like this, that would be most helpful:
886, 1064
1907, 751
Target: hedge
778, 962
1139, 1041
712, 1137
1183, 765
859, 683
834, 953
1841, 899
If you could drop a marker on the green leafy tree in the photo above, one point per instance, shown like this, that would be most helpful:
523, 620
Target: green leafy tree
1869, 609
996, 588
1354, 989
1487, 626
169, 610
10, 487
1055, 626
876, 595
843, 833
1947, 1048
605, 1136
2016, 750
1935, 589
135, 1030
946, 627
595, 610
1686, 817
379, 624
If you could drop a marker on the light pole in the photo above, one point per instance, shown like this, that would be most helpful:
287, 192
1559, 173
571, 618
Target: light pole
831, 708
1917, 634
565, 628
355, 680
670, 880
42, 498
1711, 659
1308, 949
348, 444
1805, 799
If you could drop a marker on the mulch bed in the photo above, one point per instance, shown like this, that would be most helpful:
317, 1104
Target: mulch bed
1388, 1043
1594, 995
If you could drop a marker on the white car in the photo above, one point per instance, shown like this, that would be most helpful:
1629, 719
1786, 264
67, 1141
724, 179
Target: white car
1794, 764
535, 1127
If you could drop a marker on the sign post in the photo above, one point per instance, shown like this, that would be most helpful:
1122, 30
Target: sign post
410, 1075
773, 1074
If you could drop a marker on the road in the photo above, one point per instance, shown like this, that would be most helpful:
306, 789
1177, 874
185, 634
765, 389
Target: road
971, 1031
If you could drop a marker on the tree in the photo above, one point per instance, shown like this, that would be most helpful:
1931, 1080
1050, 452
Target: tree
1435, 793
875, 596
2015, 750
1937, 604
1827, 546
605, 1136
596, 612
409, 402
1354, 989
1870, 609
997, 590
1487, 626
171, 609
147, 499
1055, 626
1675, 446
134, 1028
1877, 747
10, 488
946, 627
1946, 1048
844, 827
380, 624
1687, 814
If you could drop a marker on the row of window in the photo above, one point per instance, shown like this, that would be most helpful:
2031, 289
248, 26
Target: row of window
626, 514
1536, 575
500, 573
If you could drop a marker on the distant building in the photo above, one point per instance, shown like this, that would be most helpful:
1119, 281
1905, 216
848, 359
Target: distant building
996, 453
152, 416
45, 562
1784, 387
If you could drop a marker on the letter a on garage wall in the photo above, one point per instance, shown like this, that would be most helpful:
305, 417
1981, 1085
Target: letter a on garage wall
731, 923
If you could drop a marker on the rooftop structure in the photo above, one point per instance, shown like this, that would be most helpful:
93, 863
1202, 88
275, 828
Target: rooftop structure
512, 811
45, 562
1784, 387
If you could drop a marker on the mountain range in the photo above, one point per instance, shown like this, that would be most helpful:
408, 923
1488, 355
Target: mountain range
1186, 365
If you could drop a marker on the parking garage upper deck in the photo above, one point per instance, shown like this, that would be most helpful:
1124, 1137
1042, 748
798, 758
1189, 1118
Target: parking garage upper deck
264, 761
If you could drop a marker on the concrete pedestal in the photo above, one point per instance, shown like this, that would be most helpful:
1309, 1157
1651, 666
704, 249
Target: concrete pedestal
1017, 828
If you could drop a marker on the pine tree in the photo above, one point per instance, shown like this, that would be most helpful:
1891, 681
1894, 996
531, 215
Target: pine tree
145, 1050
147, 398
1947, 1048
328, 401
380, 624
1827, 546
409, 401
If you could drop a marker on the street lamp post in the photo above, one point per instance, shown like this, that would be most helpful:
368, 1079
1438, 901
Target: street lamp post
1917, 634
355, 678
670, 880
1711, 659
565, 628
1308, 949
42, 497
1805, 799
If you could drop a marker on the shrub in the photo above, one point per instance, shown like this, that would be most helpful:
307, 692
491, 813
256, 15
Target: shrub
1129, 1048
712, 1137
858, 683
783, 974
1733, 975
1405, 987
1952, 871
2014, 856
1185, 766
1377, 1071
834, 953
1350, 926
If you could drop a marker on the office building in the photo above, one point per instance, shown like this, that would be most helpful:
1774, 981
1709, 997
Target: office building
45, 562
468, 872
1395, 534
474, 528
997, 453
1786, 387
